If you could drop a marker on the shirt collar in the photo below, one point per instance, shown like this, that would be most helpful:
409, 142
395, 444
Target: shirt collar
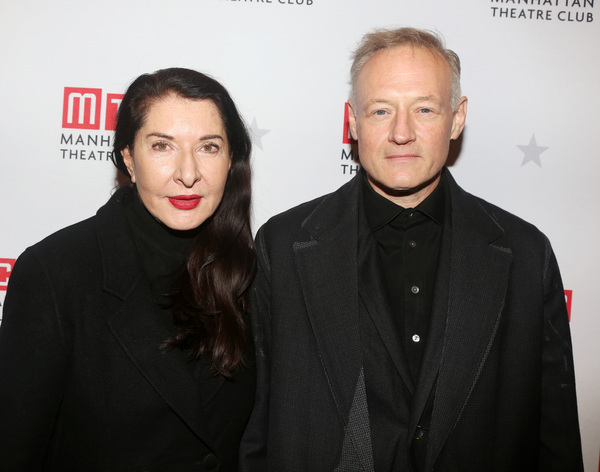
380, 211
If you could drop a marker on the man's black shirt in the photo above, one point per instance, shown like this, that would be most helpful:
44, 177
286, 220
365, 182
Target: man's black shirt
409, 242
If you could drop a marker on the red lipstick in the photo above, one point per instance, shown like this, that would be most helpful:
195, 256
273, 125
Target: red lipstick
185, 202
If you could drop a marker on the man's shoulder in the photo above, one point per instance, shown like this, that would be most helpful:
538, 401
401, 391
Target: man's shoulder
505, 218
324, 208
294, 216
514, 228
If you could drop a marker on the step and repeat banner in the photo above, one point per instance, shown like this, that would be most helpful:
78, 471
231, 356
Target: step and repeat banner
531, 144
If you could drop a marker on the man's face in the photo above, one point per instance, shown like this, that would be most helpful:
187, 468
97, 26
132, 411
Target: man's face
403, 121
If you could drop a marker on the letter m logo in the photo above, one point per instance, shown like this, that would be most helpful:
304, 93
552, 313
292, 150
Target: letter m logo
81, 108
6, 266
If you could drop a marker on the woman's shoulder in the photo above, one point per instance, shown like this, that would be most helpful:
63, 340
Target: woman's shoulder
74, 242
81, 240
72, 263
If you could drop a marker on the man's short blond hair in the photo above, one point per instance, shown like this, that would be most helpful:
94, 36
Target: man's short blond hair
417, 38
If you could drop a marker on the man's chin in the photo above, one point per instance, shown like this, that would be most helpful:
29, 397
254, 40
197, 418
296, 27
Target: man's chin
403, 188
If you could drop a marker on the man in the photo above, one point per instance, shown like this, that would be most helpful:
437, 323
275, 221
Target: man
401, 323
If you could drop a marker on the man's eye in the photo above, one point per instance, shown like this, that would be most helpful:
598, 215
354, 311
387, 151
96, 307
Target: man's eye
425, 110
380, 112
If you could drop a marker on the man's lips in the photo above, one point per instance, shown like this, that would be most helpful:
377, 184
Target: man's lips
405, 157
185, 202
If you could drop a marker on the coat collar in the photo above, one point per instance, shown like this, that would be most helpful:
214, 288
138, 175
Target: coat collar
139, 325
121, 265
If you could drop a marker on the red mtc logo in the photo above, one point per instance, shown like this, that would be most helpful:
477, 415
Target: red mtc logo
6, 266
568, 300
347, 138
82, 108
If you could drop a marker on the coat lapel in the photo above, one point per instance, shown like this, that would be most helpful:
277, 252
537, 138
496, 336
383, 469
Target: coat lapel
478, 280
327, 266
140, 326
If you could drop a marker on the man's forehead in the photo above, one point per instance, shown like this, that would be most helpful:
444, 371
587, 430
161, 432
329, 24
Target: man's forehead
405, 55
375, 99
404, 67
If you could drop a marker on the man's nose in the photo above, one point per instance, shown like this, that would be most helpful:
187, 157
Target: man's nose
402, 131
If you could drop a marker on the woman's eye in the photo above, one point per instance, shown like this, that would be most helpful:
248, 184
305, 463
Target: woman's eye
209, 147
160, 146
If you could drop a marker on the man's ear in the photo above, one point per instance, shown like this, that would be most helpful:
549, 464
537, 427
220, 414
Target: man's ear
459, 118
128, 160
352, 121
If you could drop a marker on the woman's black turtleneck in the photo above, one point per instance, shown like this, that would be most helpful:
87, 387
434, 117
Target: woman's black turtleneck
162, 250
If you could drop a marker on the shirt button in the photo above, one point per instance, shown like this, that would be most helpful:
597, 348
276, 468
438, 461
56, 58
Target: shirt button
416, 338
211, 463
412, 243
414, 289
419, 433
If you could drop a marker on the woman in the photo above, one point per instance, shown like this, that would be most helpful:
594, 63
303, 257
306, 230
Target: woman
123, 345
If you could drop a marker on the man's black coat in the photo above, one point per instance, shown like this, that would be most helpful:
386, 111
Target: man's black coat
498, 368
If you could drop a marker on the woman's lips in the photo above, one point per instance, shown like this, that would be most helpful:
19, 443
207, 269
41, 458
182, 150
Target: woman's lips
185, 202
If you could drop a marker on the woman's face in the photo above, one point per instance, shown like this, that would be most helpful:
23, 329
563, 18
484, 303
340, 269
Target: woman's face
180, 161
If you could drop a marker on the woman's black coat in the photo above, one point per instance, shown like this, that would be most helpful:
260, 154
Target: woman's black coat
84, 385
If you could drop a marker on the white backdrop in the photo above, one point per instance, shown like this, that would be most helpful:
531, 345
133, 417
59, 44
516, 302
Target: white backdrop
530, 70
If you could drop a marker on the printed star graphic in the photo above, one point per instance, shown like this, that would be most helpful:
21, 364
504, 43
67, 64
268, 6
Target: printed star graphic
258, 133
532, 152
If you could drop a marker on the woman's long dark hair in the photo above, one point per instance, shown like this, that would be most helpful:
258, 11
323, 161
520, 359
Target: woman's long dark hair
210, 298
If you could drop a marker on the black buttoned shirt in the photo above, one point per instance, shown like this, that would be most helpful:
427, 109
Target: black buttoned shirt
409, 243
